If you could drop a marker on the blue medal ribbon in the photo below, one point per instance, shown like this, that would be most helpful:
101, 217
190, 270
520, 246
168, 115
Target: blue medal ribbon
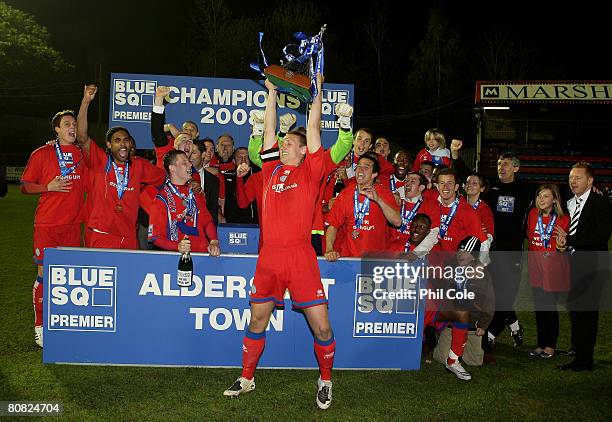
122, 178
445, 224
407, 216
64, 169
545, 234
360, 210
477, 204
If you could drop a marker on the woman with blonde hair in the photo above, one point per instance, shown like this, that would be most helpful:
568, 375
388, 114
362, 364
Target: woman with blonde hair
549, 272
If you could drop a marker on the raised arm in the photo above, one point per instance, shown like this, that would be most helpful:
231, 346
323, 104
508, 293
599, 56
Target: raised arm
89, 93
158, 117
270, 117
313, 132
344, 143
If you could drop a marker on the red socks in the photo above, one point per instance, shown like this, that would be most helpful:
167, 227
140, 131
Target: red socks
325, 350
459, 338
252, 348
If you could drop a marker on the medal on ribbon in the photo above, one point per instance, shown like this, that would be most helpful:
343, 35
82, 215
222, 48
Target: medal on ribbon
446, 222
359, 211
546, 233
407, 216
122, 177
64, 169
297, 73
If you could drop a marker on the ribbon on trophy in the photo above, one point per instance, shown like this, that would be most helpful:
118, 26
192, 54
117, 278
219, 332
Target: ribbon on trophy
297, 74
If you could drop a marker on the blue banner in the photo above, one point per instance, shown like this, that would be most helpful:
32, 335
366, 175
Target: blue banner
217, 105
124, 307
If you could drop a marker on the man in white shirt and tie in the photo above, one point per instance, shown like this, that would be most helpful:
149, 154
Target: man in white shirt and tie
590, 228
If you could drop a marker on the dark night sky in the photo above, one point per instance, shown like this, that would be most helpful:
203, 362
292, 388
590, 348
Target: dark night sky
144, 36
140, 36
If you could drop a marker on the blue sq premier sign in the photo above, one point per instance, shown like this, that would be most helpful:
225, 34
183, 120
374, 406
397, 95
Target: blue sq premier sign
82, 298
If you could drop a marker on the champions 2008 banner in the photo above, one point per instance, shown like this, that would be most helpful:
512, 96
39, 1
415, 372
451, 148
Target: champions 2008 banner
124, 307
217, 105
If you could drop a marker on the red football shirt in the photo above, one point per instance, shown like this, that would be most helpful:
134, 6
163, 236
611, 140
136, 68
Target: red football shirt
167, 208
373, 234
535, 242
57, 208
466, 222
486, 217
160, 152
441, 156
109, 213
318, 223
400, 235
290, 200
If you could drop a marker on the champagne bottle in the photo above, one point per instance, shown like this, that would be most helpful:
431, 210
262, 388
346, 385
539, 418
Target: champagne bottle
184, 274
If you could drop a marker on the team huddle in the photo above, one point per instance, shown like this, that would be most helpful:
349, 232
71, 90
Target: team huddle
345, 201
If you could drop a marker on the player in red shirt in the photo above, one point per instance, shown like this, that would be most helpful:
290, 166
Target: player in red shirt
362, 143
474, 186
457, 218
116, 182
365, 209
57, 172
401, 164
412, 204
287, 258
549, 270
178, 218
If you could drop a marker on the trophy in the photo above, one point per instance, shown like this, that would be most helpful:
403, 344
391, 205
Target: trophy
296, 75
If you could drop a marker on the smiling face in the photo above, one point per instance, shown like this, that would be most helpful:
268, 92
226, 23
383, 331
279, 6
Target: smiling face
364, 172
119, 146
447, 187
292, 151
432, 143
545, 200
473, 186
401, 164
413, 187
419, 228
184, 143
362, 143
66, 130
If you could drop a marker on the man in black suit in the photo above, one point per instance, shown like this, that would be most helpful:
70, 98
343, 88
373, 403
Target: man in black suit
209, 179
590, 227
